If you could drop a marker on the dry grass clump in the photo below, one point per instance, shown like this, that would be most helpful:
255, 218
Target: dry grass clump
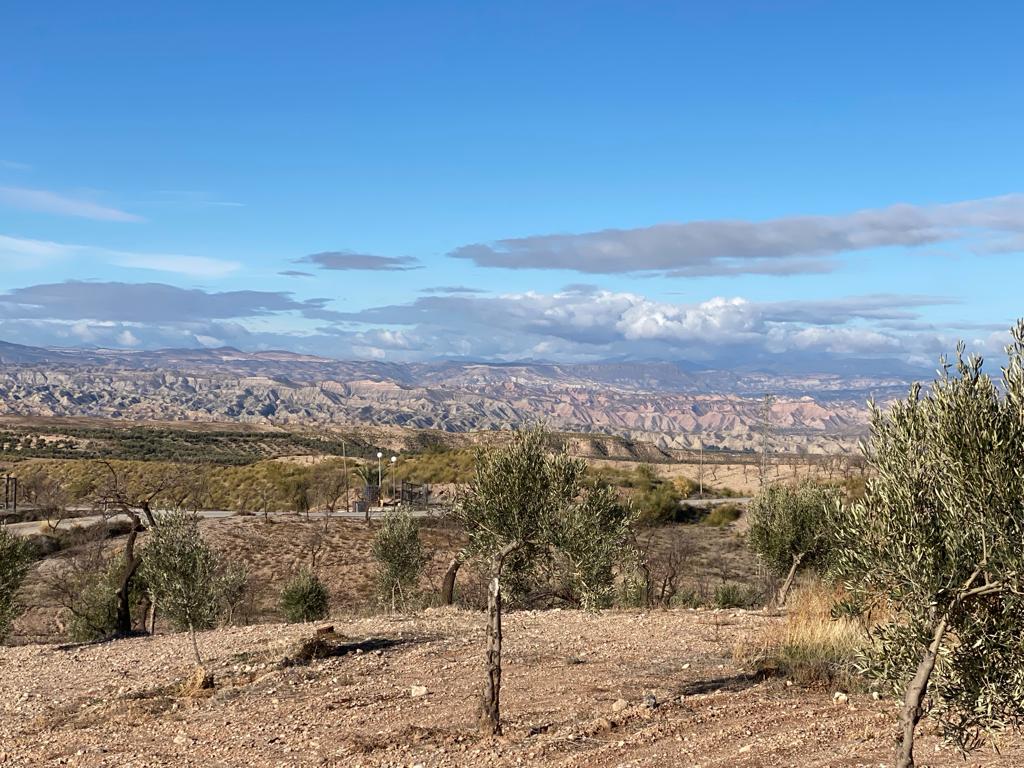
810, 647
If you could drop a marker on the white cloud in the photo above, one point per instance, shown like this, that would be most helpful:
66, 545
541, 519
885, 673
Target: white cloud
209, 341
25, 253
44, 201
597, 324
195, 266
128, 339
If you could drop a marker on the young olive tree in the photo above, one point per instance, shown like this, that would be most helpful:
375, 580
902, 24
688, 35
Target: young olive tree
790, 529
15, 558
184, 575
400, 558
305, 598
938, 542
526, 501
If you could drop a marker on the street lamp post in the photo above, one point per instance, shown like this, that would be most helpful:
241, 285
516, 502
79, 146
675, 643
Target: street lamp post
394, 481
379, 489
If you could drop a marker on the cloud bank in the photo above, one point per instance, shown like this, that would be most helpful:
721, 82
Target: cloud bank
784, 246
580, 323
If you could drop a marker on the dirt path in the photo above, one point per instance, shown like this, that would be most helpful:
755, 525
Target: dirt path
116, 705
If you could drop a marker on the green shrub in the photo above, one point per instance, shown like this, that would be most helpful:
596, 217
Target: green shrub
723, 514
400, 558
94, 617
89, 596
304, 598
790, 529
733, 595
15, 558
688, 598
659, 504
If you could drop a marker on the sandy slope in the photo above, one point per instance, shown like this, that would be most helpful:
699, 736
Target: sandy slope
115, 704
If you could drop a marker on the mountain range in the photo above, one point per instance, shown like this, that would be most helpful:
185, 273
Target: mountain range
674, 405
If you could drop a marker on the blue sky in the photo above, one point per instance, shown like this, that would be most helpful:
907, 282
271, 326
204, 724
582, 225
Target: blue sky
719, 182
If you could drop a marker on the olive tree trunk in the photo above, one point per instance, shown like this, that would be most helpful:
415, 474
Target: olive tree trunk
195, 645
490, 709
448, 583
788, 583
151, 618
913, 697
123, 625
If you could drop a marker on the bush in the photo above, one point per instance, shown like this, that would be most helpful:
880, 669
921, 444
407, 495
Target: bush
723, 514
188, 580
94, 616
659, 504
304, 598
234, 588
790, 529
15, 558
732, 595
89, 595
400, 558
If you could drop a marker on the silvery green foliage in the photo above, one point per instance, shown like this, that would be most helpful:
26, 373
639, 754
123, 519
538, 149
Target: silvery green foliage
400, 558
788, 522
15, 558
187, 578
590, 534
305, 598
525, 494
938, 543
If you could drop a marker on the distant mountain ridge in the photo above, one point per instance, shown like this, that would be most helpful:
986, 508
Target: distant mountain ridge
674, 405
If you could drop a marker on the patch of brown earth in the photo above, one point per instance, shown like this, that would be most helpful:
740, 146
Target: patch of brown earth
616, 688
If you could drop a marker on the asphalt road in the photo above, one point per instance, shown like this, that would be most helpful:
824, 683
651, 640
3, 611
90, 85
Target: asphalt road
34, 526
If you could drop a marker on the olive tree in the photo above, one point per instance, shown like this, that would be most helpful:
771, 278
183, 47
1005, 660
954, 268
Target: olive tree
185, 576
938, 543
789, 529
400, 557
525, 501
119, 494
305, 598
15, 557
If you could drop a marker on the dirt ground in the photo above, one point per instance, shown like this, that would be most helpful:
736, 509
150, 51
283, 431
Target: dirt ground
117, 703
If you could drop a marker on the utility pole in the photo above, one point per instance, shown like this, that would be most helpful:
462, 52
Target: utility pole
766, 434
700, 474
11, 492
344, 465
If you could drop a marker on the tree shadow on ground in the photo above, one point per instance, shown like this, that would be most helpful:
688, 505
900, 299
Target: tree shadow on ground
730, 683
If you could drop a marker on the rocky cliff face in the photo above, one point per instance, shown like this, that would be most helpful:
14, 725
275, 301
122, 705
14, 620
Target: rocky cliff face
660, 402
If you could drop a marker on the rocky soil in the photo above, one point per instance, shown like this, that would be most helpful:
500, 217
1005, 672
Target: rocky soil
596, 690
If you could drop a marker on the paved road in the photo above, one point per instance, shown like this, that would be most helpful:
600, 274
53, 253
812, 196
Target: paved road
716, 501
34, 526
